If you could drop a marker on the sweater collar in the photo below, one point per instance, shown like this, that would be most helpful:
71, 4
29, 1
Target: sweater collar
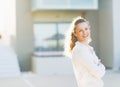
79, 43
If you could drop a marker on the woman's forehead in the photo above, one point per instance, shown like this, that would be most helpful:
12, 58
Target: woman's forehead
82, 25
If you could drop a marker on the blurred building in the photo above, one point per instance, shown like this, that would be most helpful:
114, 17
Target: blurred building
38, 20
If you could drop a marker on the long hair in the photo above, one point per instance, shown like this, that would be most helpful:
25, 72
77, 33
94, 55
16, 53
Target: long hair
70, 38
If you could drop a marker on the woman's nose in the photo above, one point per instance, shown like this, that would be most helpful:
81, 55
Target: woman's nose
84, 32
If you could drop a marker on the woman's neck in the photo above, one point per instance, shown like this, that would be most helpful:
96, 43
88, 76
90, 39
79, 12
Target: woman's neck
85, 43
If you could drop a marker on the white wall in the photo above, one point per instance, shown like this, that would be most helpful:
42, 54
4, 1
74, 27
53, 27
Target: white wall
116, 26
52, 66
106, 52
24, 33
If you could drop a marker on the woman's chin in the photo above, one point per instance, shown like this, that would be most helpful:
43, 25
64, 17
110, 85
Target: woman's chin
87, 40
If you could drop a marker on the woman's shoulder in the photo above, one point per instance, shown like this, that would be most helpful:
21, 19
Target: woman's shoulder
79, 47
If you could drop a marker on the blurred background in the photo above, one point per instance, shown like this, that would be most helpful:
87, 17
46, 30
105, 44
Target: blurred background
34, 30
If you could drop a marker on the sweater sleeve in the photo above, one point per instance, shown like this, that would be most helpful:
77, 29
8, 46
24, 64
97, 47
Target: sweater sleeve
85, 58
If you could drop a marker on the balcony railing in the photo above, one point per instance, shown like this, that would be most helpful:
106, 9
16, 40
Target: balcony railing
64, 5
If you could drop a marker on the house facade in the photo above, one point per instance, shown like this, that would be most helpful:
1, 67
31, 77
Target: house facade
30, 15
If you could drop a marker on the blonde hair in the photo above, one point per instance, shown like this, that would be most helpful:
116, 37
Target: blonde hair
70, 38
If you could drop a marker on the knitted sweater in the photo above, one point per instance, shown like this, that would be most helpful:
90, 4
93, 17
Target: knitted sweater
87, 67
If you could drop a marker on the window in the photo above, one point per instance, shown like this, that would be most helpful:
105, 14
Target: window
49, 39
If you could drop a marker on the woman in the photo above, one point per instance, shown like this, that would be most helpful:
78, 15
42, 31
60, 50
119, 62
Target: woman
87, 67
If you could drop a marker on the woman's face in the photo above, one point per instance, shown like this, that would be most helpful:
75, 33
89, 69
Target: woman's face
82, 32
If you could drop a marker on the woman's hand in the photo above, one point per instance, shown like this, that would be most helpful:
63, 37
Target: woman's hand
99, 62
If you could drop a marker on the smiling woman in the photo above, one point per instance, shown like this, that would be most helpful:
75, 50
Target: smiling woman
87, 67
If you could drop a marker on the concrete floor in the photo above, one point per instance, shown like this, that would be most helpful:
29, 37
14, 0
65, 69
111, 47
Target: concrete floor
111, 79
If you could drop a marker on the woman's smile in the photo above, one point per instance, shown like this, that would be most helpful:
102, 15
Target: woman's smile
85, 36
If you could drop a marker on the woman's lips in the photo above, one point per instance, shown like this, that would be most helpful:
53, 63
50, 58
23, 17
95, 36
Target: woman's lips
86, 36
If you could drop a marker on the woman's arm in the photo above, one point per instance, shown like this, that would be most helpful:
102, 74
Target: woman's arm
85, 58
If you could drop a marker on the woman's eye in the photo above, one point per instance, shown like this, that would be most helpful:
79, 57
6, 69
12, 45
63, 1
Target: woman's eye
86, 28
80, 31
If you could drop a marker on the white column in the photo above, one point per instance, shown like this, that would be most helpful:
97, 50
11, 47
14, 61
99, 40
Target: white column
24, 33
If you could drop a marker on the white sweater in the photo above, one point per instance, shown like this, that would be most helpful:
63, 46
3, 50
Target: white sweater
87, 67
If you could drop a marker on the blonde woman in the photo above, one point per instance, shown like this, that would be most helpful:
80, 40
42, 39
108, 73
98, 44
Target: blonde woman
87, 67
